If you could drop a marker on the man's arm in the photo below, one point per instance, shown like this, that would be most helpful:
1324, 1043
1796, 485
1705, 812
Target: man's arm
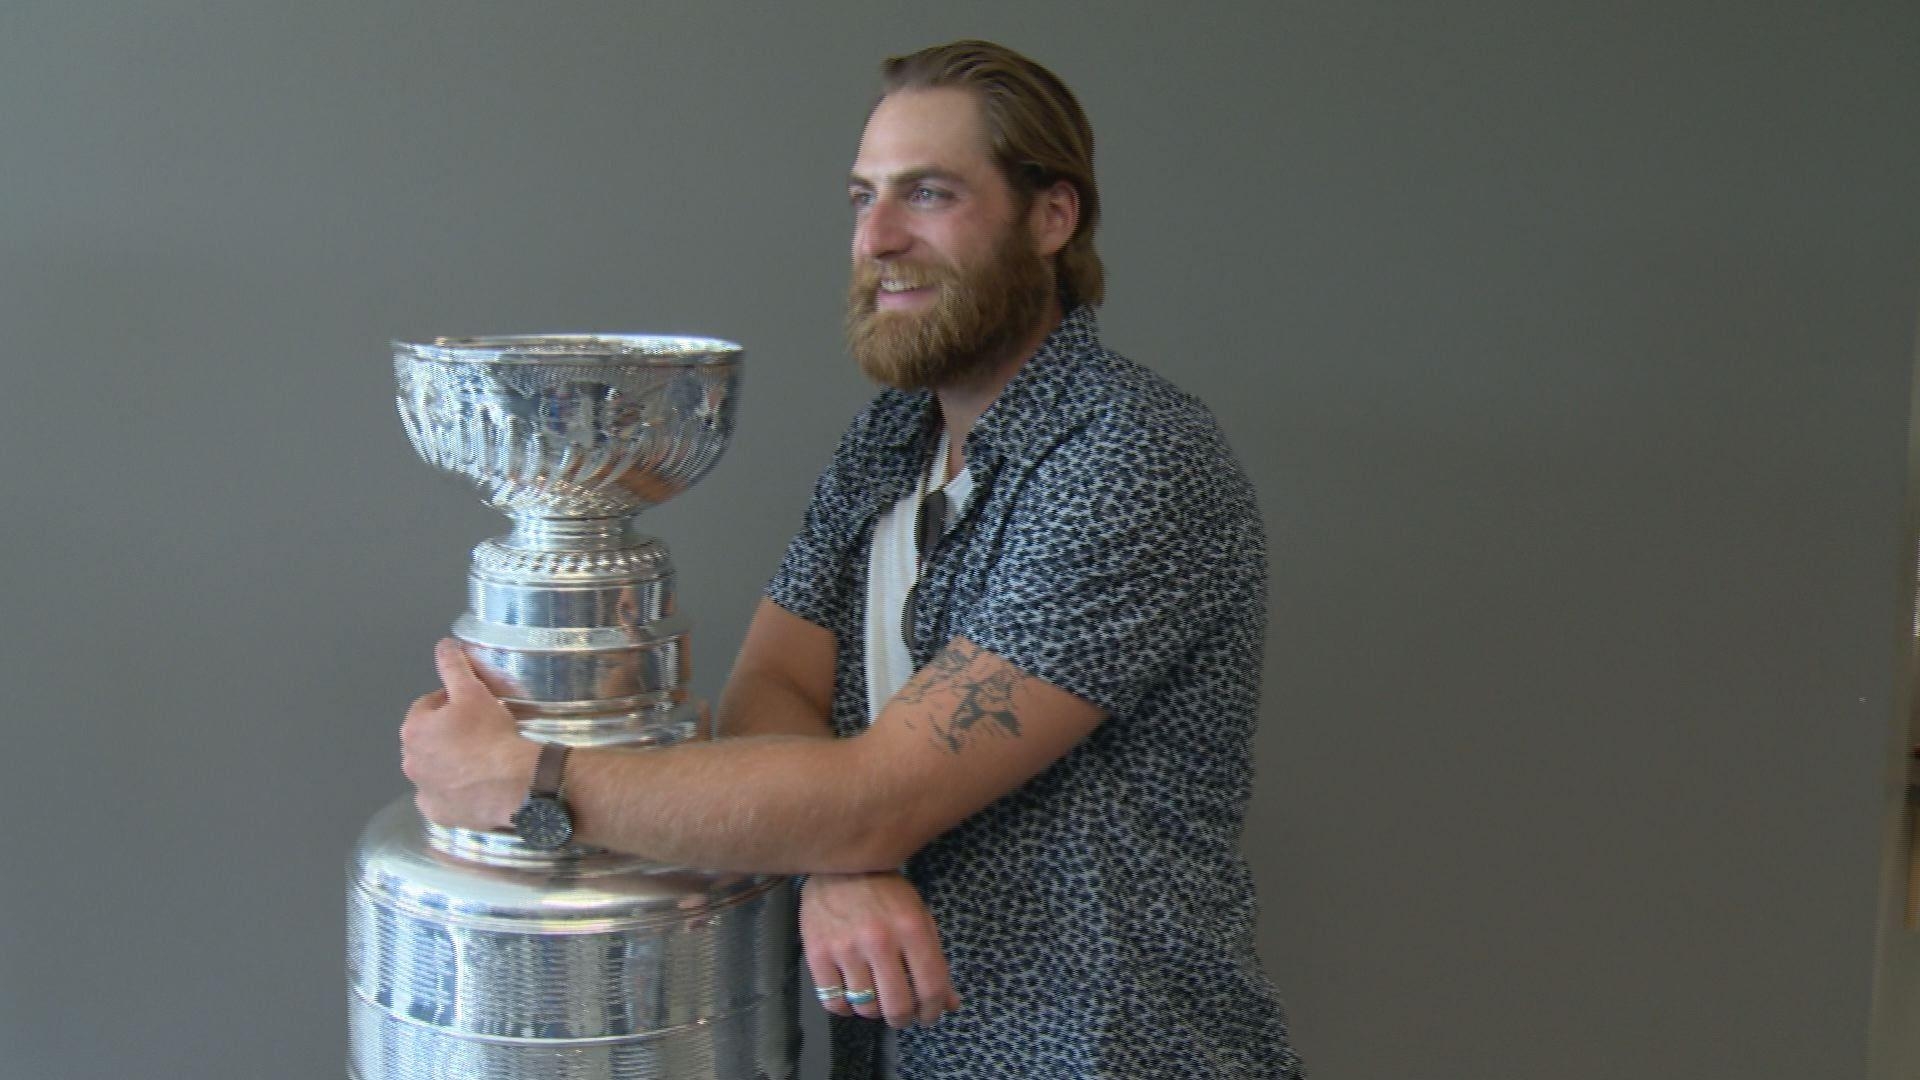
860, 931
782, 682
967, 729
873, 932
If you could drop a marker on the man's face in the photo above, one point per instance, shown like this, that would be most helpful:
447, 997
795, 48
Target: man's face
945, 273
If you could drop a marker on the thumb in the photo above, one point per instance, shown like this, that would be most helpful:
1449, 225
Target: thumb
456, 671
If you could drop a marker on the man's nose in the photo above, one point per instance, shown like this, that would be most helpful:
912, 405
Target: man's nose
881, 231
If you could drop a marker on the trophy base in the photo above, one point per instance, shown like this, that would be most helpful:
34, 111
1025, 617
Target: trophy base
586, 965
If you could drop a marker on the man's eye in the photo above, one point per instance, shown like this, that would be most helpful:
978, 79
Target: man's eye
860, 199
928, 195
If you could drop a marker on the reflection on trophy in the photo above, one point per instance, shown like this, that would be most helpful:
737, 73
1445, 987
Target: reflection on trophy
473, 954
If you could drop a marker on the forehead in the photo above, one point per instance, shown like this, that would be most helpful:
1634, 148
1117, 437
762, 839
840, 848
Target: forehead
920, 129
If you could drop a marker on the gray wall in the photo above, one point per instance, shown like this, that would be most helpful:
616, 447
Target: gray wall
1570, 347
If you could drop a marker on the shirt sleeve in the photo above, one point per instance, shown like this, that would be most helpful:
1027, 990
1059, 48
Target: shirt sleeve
1125, 544
813, 579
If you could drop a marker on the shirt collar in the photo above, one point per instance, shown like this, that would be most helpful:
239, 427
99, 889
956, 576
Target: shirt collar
1038, 404
897, 432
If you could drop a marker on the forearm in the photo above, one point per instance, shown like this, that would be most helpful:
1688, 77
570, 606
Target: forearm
966, 730
775, 804
782, 682
760, 703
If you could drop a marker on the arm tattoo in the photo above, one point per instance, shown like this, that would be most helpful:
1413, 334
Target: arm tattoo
985, 704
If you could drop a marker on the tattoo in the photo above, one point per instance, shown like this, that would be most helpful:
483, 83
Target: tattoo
985, 704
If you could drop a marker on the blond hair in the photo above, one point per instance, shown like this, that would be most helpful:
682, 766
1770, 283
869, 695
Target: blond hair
1036, 131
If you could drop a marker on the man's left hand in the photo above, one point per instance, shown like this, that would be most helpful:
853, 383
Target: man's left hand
463, 750
871, 934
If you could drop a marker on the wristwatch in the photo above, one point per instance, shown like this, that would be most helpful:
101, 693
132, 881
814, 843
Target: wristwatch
543, 821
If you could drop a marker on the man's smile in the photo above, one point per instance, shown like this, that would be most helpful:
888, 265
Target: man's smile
903, 295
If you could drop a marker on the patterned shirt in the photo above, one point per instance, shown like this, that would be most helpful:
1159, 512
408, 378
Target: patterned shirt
1098, 920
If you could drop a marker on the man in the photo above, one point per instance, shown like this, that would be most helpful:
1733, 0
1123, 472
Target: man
1028, 598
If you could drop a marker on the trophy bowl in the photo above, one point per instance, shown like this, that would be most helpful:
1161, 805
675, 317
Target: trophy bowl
570, 425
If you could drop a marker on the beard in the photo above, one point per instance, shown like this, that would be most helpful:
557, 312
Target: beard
981, 312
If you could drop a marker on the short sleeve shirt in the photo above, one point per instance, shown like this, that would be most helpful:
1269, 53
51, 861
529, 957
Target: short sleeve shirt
1098, 920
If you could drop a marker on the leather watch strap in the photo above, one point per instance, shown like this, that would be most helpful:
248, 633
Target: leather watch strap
550, 773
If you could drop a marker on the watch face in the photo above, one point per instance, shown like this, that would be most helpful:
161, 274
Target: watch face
543, 823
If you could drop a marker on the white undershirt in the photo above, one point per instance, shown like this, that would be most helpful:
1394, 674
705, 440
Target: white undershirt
892, 568
891, 571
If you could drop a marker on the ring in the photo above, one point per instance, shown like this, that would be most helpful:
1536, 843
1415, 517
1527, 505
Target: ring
862, 997
828, 993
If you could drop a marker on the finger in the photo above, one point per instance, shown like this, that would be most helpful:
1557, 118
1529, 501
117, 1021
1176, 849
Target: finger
857, 977
896, 1002
932, 980
426, 703
496, 684
826, 976
456, 671
833, 998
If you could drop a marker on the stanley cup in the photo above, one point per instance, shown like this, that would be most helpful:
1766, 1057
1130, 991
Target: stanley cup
471, 955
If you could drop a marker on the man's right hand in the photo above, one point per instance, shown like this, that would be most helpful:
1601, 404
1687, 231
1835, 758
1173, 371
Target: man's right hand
873, 932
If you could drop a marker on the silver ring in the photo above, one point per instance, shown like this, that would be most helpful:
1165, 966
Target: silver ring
828, 993
862, 997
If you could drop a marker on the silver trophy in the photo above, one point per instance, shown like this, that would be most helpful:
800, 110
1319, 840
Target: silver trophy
470, 954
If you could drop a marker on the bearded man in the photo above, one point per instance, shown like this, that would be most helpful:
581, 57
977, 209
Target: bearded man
998, 699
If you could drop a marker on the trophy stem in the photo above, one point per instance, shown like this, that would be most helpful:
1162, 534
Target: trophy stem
533, 532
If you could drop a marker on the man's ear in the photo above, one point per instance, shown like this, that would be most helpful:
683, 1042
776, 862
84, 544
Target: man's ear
1054, 216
